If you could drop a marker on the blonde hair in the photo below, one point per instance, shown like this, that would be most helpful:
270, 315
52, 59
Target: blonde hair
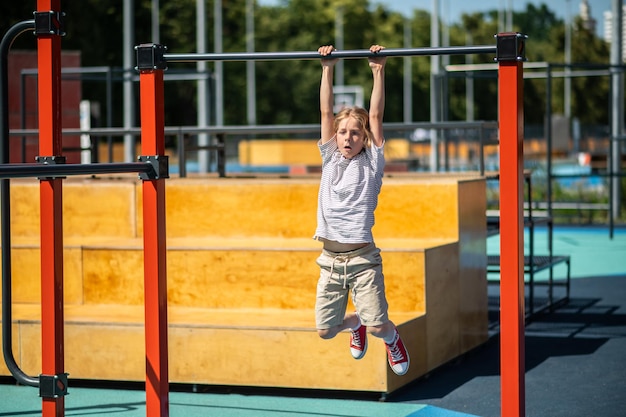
361, 116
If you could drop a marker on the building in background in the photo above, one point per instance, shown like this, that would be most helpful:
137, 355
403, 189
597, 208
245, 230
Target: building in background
608, 29
23, 105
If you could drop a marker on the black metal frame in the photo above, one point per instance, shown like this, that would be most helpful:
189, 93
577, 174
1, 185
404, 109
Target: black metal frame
534, 263
5, 197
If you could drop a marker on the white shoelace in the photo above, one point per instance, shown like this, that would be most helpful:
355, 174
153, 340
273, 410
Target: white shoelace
394, 350
396, 355
356, 338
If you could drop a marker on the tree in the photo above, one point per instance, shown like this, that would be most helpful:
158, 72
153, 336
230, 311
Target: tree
287, 91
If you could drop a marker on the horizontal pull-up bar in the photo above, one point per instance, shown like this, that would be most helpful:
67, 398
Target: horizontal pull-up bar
62, 170
509, 47
360, 53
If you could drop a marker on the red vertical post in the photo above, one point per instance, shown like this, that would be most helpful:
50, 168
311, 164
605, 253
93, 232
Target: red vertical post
51, 205
155, 279
511, 113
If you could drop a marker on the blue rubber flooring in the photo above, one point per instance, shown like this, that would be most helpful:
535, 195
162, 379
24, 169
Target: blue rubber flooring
23, 401
592, 251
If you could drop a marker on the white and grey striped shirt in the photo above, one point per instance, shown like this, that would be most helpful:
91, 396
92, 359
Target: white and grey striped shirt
348, 193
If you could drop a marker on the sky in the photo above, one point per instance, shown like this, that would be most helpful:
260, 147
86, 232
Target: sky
451, 10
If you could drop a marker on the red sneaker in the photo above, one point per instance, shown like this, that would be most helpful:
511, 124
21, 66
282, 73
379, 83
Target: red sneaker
358, 342
397, 355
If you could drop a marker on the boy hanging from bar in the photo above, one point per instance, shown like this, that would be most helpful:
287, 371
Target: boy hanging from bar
351, 147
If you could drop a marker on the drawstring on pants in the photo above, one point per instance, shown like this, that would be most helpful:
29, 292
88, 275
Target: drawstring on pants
343, 259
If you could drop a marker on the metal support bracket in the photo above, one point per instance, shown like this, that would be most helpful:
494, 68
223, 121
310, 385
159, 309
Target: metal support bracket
53, 386
50, 160
49, 23
150, 57
510, 46
160, 167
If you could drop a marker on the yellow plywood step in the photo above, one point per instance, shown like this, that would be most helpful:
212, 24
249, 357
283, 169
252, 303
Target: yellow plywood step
222, 273
230, 243
410, 206
223, 347
235, 318
90, 208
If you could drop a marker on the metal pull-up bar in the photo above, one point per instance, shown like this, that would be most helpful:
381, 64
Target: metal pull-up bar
353, 54
510, 46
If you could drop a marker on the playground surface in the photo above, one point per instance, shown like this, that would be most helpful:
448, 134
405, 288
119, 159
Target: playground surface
574, 364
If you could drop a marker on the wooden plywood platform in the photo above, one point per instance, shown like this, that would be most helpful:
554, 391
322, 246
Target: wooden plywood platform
241, 280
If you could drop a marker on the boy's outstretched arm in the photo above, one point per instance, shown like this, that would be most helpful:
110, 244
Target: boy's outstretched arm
326, 93
377, 100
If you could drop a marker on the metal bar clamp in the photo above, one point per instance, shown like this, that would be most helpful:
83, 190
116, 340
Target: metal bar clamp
49, 23
160, 167
53, 386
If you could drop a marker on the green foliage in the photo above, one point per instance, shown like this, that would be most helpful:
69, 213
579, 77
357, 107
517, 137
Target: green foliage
287, 92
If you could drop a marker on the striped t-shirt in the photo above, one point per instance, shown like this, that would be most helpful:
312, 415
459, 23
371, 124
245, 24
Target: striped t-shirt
348, 193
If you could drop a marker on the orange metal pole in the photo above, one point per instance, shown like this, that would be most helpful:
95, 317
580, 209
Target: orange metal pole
155, 280
511, 111
49, 68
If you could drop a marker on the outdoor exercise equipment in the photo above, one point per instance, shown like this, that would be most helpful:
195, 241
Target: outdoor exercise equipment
152, 60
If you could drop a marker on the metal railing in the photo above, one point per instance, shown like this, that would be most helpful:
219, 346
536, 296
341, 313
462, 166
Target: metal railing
5, 220
220, 135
